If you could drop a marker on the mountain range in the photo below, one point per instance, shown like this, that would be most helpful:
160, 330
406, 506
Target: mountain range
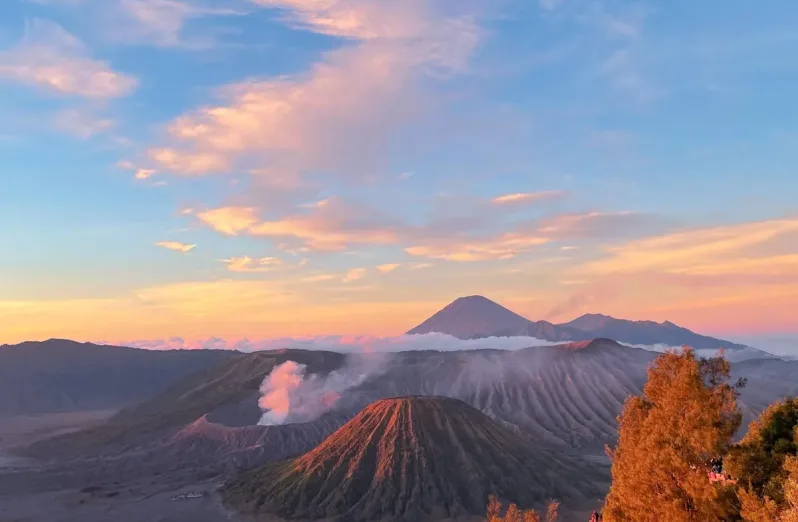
478, 317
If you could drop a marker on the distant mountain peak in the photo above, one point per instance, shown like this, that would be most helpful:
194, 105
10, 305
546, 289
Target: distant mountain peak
472, 316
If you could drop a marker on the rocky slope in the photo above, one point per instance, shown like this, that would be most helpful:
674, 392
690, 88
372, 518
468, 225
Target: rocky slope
412, 459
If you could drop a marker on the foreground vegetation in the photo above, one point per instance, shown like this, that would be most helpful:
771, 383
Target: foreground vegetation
513, 514
676, 461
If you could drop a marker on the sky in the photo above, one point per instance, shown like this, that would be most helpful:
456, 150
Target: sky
254, 169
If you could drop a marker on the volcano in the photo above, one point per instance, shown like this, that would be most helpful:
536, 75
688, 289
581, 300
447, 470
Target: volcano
476, 316
411, 459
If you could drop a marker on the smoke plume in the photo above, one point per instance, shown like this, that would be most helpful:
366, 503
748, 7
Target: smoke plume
277, 390
289, 395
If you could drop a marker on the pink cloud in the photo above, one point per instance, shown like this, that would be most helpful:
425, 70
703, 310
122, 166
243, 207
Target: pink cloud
337, 118
50, 58
176, 246
329, 227
246, 264
501, 247
81, 123
528, 197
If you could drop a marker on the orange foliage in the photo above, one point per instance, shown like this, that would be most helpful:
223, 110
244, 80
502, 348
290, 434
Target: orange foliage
685, 417
513, 514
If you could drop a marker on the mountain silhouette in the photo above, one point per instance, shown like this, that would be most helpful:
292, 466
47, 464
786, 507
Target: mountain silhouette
476, 316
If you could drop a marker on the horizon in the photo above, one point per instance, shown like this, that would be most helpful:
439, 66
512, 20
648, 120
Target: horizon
265, 169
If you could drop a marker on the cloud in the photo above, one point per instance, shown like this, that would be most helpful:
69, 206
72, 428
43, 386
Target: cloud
229, 220
176, 246
246, 264
528, 197
600, 225
504, 246
624, 70
318, 278
549, 5
354, 274
81, 123
50, 58
728, 249
409, 20
461, 239
142, 174
338, 117
329, 227
160, 22
388, 267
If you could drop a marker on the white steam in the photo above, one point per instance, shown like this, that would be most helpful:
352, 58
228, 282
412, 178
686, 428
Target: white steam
277, 390
289, 396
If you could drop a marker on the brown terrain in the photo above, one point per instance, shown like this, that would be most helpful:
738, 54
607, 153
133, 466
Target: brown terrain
413, 459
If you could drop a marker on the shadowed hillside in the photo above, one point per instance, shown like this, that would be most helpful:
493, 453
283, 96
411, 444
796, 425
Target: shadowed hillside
62, 376
187, 401
405, 459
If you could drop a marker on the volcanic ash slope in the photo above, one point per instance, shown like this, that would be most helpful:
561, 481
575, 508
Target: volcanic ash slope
410, 459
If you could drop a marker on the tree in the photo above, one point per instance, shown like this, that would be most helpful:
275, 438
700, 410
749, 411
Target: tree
758, 509
668, 436
514, 514
553, 511
757, 462
790, 513
765, 465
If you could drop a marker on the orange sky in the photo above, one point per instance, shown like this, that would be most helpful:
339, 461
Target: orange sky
738, 279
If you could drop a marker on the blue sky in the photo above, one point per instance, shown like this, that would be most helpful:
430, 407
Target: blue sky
345, 160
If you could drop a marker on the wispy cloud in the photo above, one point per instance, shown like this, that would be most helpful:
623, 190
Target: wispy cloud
353, 275
247, 264
329, 227
505, 246
318, 278
601, 225
161, 22
338, 117
81, 123
50, 58
176, 246
549, 5
142, 174
728, 248
623, 68
528, 197
388, 267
